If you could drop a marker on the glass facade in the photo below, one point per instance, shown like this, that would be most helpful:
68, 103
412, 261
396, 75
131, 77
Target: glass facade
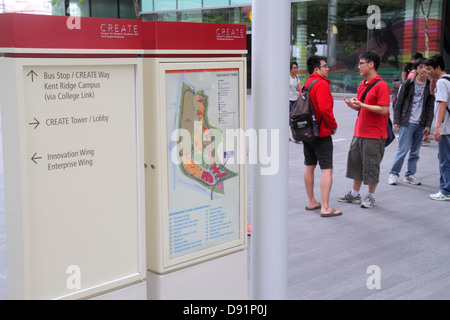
393, 29
213, 11
123, 9
163, 5
189, 4
338, 29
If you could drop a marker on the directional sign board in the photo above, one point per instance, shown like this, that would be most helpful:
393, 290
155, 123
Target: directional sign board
80, 162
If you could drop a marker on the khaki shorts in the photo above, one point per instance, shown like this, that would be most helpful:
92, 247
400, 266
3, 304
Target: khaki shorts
364, 158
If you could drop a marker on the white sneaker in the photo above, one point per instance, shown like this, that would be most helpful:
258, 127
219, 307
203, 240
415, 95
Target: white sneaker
392, 180
349, 198
412, 180
439, 196
369, 202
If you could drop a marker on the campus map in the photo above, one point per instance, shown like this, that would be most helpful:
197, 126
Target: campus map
204, 181
193, 116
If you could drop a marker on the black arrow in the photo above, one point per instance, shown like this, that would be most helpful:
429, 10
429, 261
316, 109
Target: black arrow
32, 75
36, 123
34, 158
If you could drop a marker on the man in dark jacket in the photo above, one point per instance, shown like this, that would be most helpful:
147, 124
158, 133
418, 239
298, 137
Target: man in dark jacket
413, 114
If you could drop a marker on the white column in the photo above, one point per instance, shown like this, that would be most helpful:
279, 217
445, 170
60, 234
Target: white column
270, 106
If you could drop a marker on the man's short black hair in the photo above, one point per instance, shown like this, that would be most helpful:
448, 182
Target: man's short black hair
314, 62
371, 56
417, 55
418, 62
434, 61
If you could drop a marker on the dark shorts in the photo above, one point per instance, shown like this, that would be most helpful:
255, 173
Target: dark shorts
364, 159
319, 150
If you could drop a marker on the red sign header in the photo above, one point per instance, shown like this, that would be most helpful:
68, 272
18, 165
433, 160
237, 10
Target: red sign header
27, 31
165, 35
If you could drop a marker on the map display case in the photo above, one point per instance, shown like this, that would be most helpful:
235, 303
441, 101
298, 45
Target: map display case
199, 162
194, 141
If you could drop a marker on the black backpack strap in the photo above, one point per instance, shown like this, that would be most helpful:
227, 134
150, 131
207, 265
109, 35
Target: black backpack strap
309, 89
368, 89
311, 84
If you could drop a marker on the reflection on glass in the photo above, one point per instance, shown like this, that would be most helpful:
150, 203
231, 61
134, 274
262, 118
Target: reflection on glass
215, 3
347, 29
216, 16
190, 16
165, 5
189, 4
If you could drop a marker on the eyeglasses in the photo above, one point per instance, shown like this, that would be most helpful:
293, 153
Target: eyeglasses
324, 66
361, 63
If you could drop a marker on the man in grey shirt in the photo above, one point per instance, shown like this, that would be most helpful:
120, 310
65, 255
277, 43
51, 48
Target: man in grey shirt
436, 69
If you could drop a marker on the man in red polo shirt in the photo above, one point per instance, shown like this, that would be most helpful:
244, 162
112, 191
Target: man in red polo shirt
320, 150
367, 147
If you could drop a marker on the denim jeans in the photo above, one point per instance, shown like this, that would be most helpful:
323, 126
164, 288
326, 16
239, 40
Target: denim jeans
444, 164
409, 139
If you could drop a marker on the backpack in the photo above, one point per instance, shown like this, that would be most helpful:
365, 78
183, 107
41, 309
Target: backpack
302, 118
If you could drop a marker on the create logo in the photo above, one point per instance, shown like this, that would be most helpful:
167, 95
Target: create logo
117, 30
373, 22
230, 33
74, 19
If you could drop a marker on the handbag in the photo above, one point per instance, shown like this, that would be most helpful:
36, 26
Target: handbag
390, 131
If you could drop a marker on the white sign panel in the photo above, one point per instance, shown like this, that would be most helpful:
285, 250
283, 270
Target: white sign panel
83, 179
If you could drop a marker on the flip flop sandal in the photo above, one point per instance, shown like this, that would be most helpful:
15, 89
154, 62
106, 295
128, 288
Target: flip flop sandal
332, 213
314, 208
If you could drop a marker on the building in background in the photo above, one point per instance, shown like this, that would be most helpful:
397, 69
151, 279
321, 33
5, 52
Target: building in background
26, 6
338, 29
394, 29
123, 9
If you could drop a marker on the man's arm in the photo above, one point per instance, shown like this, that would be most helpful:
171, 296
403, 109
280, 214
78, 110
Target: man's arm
357, 105
383, 92
429, 112
439, 118
325, 104
376, 109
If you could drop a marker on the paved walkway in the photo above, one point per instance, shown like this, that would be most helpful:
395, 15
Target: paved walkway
406, 236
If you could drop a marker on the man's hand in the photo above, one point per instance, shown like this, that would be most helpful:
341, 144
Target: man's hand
437, 133
353, 103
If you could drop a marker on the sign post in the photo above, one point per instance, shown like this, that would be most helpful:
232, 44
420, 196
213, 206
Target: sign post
270, 45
